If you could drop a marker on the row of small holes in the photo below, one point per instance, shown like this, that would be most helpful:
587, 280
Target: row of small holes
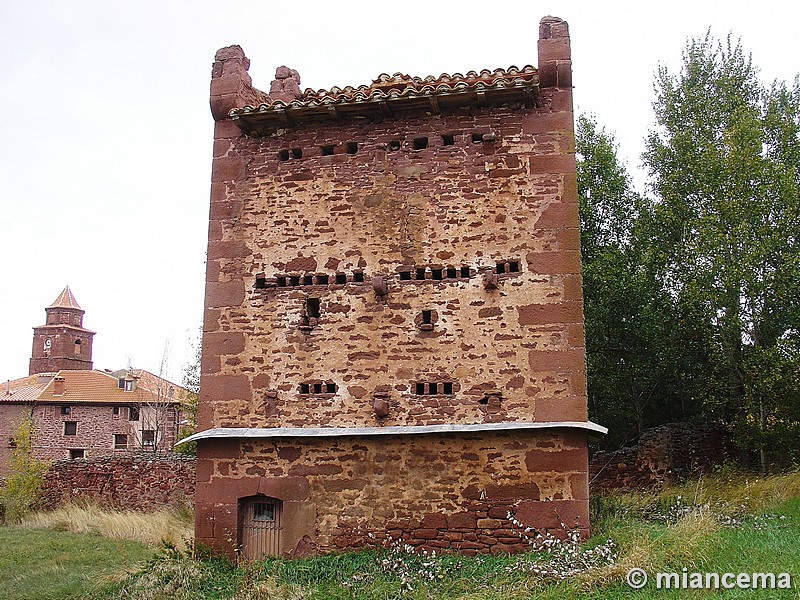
433, 388
507, 267
302, 280
436, 273
318, 388
419, 143
328, 150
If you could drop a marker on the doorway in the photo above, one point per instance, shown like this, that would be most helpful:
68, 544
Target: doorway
261, 527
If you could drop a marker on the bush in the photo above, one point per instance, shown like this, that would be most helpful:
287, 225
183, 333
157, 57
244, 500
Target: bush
23, 486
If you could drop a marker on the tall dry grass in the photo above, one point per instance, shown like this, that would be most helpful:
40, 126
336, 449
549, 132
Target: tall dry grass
172, 526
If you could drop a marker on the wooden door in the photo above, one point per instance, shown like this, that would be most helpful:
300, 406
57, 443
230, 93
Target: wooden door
261, 527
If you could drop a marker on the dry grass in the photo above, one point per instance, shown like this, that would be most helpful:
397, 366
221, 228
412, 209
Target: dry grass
173, 526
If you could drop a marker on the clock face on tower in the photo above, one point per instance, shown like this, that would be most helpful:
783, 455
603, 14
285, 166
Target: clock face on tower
47, 343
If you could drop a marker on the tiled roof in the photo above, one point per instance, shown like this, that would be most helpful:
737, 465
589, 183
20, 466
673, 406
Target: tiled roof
400, 89
24, 389
65, 300
93, 387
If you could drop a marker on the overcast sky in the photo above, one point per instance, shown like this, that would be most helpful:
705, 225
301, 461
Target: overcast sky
106, 144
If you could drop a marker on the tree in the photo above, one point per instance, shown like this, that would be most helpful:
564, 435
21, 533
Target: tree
191, 382
22, 487
633, 377
723, 162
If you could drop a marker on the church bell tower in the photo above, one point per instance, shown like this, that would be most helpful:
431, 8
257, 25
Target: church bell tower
62, 342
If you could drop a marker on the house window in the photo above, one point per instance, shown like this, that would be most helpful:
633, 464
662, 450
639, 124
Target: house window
148, 437
65, 410
133, 413
115, 411
77, 454
121, 384
120, 441
129, 385
70, 427
77, 347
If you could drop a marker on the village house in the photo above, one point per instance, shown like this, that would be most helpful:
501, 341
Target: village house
393, 339
78, 412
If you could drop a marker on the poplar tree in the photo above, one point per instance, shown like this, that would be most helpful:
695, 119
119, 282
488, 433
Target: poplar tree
723, 165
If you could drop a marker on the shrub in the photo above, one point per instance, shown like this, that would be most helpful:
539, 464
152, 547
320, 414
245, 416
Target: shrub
23, 485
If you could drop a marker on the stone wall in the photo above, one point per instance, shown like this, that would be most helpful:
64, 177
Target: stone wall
95, 428
435, 491
136, 482
663, 455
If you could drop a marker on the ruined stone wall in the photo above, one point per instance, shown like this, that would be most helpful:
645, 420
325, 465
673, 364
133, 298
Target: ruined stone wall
141, 482
283, 231
438, 492
663, 455
95, 428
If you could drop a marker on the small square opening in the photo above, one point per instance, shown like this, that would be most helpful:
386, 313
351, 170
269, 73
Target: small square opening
341, 278
70, 428
297, 153
465, 272
436, 273
312, 307
358, 276
448, 140
447, 388
317, 388
513, 266
77, 454
283, 155
330, 388
427, 316
434, 387
501, 268
308, 280
394, 145
452, 273
65, 410
420, 143
280, 281
352, 147
405, 275
327, 150
304, 388
120, 441
322, 279
294, 280
477, 138
421, 273
419, 389
261, 283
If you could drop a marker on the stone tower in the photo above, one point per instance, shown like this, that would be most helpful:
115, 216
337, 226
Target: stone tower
62, 342
393, 336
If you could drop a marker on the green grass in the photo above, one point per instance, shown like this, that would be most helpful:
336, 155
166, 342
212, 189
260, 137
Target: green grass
39, 563
657, 532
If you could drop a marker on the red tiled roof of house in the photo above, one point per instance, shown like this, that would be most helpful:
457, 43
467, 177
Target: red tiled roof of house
401, 86
93, 387
65, 300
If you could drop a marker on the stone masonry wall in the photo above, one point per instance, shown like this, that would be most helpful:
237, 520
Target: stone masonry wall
438, 492
135, 482
663, 455
95, 427
11, 416
280, 228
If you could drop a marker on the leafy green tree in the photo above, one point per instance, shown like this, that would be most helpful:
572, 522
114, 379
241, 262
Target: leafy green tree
23, 486
635, 380
723, 161
191, 382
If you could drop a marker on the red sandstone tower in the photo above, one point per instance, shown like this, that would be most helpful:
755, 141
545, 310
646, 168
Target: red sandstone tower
63, 342
393, 337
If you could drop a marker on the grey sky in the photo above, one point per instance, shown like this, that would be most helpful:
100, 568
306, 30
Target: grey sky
106, 150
